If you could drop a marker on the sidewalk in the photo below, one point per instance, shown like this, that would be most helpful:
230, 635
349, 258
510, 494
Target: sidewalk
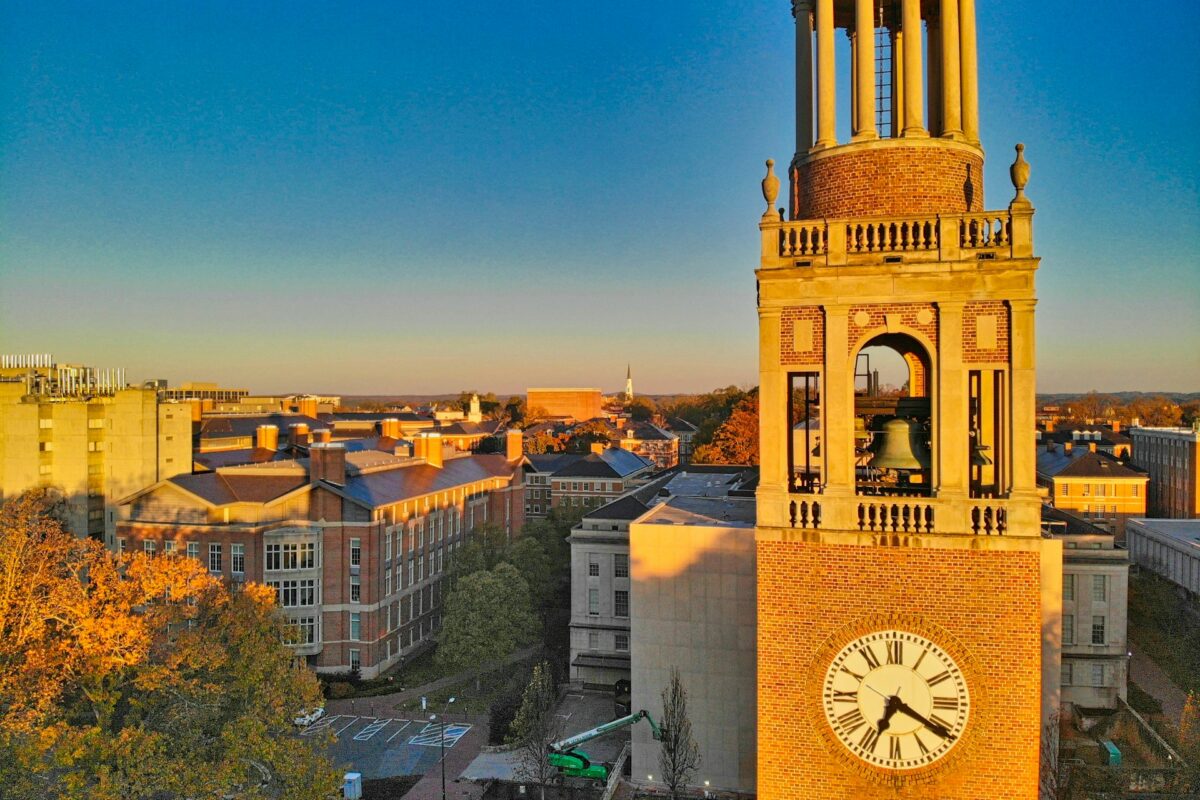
388, 703
1146, 674
457, 759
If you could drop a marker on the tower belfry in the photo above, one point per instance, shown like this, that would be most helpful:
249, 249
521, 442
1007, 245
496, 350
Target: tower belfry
897, 533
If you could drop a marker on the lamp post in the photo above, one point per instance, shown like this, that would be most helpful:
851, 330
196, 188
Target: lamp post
442, 739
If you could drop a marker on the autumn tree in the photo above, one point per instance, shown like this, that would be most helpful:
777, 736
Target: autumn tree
679, 754
641, 409
488, 615
133, 676
736, 440
535, 728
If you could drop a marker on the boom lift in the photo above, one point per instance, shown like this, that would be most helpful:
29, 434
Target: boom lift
574, 763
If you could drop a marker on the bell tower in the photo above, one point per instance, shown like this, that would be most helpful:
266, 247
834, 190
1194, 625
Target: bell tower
908, 606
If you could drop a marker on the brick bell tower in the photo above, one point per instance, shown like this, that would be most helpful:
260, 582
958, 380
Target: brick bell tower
908, 606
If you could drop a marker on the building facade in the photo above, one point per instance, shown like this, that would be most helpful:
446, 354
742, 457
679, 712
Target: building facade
577, 404
356, 544
578, 480
1169, 548
1171, 456
93, 444
1092, 484
651, 442
906, 606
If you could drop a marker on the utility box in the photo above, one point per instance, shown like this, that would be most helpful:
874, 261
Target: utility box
352, 786
1110, 753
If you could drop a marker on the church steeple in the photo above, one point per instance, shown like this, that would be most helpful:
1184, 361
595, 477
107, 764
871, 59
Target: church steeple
628, 383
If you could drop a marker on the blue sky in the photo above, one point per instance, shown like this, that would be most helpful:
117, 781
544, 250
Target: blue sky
423, 197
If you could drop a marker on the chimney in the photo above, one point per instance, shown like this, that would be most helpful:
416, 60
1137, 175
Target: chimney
433, 450
1049, 426
297, 434
514, 444
197, 410
322, 435
307, 406
267, 437
1116, 426
1091, 447
390, 428
598, 448
327, 462
1067, 447
419, 445
1135, 422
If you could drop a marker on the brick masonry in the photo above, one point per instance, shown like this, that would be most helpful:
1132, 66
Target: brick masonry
909, 315
982, 606
974, 346
802, 332
892, 181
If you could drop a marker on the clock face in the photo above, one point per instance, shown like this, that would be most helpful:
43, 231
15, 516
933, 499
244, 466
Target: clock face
896, 700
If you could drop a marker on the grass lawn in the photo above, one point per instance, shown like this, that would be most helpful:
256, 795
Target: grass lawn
1165, 627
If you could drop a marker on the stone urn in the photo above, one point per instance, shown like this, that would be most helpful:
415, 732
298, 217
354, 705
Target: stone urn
1019, 173
770, 188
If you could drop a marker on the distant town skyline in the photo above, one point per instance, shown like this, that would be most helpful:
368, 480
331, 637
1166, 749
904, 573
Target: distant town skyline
382, 200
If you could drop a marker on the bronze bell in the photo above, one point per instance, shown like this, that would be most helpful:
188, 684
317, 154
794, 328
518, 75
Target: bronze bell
902, 448
979, 457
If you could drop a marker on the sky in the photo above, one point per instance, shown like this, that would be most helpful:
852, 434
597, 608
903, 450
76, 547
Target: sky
378, 198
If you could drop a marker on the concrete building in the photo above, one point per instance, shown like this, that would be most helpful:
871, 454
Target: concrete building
1171, 456
917, 568
1092, 484
1095, 599
600, 583
200, 390
577, 404
1167, 547
62, 427
355, 543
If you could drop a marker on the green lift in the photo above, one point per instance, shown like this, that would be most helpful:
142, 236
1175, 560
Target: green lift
574, 763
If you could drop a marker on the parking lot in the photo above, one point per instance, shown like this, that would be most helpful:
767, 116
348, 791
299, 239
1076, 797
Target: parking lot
380, 747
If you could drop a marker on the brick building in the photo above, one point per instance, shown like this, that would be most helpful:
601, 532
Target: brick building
355, 543
1092, 484
651, 442
581, 480
1171, 456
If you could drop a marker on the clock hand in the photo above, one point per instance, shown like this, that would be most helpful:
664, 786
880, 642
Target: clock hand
893, 705
876, 691
940, 730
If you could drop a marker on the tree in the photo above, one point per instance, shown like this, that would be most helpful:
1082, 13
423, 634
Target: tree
488, 615
641, 409
1189, 742
132, 676
679, 755
529, 558
535, 728
483, 551
736, 441
585, 434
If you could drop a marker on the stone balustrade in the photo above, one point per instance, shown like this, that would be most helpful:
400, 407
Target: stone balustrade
899, 515
853, 242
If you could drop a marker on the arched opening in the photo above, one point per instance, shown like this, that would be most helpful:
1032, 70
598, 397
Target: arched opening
893, 417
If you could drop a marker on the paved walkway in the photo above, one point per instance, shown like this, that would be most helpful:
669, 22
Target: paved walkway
457, 759
1152, 680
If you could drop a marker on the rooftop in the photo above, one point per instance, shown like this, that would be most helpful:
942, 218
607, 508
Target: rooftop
729, 512
1082, 463
1184, 531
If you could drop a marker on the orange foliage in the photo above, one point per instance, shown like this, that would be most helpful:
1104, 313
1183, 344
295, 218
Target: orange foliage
736, 441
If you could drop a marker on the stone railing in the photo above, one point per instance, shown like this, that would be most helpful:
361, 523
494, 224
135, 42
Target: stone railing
898, 515
925, 238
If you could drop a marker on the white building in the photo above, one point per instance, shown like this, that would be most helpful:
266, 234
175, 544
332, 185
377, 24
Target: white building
1167, 547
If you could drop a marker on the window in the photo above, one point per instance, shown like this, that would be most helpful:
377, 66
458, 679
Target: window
193, 550
593, 640
1087, 489
307, 627
121, 544
273, 557
355, 589
412, 568
1099, 588
169, 546
1064, 492
387, 547
355, 626
621, 604
621, 565
1136, 490
1097, 674
1066, 673
355, 660
622, 641
355, 552
291, 594
1068, 587
237, 554
387, 581
420, 568
1068, 629
148, 547
1098, 630
593, 602
214, 557
593, 566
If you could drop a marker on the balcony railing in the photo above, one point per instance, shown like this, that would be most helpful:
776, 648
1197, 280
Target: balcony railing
899, 515
945, 237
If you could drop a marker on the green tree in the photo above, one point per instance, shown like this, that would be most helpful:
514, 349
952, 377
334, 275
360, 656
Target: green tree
132, 677
488, 615
535, 727
641, 409
679, 754
528, 556
483, 551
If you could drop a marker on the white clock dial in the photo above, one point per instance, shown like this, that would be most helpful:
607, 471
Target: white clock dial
896, 699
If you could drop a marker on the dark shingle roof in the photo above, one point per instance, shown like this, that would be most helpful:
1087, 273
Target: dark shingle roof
246, 425
1082, 463
222, 488
383, 488
245, 455
611, 463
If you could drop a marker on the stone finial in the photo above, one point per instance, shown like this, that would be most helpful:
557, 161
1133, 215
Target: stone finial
770, 187
1019, 173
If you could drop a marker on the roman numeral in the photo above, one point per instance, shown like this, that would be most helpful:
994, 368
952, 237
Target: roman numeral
920, 744
949, 703
894, 748
844, 697
895, 652
936, 720
851, 721
920, 658
869, 656
869, 738
936, 679
852, 674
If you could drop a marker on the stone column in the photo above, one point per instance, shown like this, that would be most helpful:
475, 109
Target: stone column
850, 34
826, 82
1023, 371
802, 10
864, 62
970, 70
897, 36
837, 404
773, 422
951, 75
914, 100
951, 446
934, 37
